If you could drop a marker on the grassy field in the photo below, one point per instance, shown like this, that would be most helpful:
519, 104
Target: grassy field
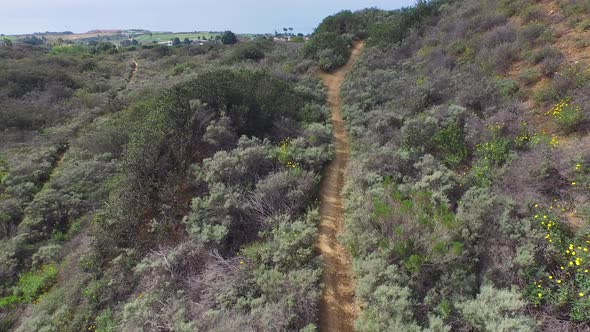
144, 38
159, 37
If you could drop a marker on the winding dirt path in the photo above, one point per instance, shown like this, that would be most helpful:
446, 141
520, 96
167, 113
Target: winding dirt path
337, 307
133, 71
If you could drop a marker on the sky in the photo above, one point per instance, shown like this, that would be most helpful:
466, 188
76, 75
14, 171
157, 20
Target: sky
242, 16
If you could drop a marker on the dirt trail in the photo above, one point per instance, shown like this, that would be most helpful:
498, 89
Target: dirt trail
337, 307
133, 71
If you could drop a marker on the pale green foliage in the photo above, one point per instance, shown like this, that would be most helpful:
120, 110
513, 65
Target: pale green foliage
496, 310
212, 215
434, 177
391, 311
46, 254
477, 208
436, 324
251, 158
105, 322
290, 244
220, 134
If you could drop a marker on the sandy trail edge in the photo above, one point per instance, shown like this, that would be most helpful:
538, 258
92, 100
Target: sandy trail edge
337, 307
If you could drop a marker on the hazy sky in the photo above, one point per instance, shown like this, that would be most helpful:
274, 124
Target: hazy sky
256, 16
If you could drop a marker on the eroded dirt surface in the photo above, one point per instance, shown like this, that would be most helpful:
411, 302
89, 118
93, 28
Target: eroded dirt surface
337, 308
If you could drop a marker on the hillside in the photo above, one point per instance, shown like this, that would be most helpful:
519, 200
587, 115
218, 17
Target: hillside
423, 169
467, 194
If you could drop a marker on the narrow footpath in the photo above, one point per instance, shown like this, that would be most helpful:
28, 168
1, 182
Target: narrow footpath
337, 307
133, 71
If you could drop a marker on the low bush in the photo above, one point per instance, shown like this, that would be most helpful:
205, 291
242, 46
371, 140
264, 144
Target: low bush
531, 33
496, 310
392, 29
530, 76
344, 22
560, 279
31, 285
567, 116
254, 51
329, 49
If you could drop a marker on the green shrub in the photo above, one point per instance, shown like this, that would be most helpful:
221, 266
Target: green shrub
229, 38
344, 22
254, 51
496, 310
546, 52
507, 88
481, 172
77, 50
329, 49
532, 13
545, 93
530, 76
584, 25
562, 278
450, 142
570, 119
390, 309
105, 322
531, 33
9, 300
179, 69
396, 26
31, 285
496, 151
3, 170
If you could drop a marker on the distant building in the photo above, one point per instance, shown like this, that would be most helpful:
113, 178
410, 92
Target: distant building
166, 43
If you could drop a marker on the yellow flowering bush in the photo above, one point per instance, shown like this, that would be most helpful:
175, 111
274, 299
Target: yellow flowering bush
581, 176
285, 154
567, 115
527, 139
564, 281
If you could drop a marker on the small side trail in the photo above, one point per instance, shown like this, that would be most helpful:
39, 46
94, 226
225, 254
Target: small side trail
133, 71
337, 307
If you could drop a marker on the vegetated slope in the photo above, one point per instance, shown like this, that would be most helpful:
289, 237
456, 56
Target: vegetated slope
49, 183
337, 307
468, 163
466, 195
186, 201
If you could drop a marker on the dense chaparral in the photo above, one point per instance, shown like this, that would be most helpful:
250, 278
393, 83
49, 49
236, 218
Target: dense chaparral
178, 188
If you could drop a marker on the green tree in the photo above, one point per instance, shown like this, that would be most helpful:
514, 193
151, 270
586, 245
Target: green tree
186, 41
176, 41
229, 38
329, 49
